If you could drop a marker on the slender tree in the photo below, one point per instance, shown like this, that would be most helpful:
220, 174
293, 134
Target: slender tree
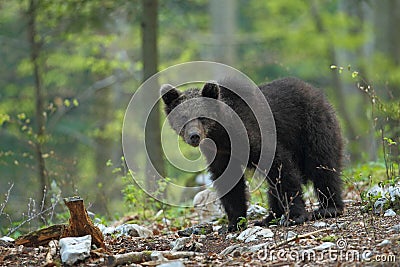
150, 66
35, 47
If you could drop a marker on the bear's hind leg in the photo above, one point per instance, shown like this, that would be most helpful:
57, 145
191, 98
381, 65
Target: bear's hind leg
327, 185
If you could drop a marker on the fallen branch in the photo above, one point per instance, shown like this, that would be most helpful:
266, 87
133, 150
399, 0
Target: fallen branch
142, 256
297, 237
42, 236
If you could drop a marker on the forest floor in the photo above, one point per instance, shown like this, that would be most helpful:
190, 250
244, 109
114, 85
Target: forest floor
353, 239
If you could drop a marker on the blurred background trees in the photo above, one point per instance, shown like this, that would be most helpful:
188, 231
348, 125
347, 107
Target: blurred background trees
68, 69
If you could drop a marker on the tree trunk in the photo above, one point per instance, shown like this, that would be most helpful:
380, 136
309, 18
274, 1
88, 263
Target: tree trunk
35, 48
223, 18
150, 66
387, 40
339, 90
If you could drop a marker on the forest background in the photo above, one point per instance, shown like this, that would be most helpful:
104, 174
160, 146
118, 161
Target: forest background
68, 69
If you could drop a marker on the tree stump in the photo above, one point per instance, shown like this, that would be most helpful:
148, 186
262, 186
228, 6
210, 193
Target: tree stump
79, 222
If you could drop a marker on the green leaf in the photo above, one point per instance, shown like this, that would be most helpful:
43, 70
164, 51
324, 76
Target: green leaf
75, 102
21, 116
67, 103
4, 118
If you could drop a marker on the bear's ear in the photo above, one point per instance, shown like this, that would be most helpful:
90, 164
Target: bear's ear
211, 90
169, 93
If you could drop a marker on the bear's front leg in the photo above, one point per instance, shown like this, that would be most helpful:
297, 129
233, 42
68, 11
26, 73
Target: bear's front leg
231, 188
234, 203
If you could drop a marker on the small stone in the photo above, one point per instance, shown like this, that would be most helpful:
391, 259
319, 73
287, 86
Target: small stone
395, 228
375, 191
389, 213
231, 236
320, 224
290, 234
208, 205
157, 256
394, 192
186, 232
203, 229
172, 264
324, 246
73, 249
7, 239
379, 205
180, 243
133, 230
334, 226
255, 211
255, 233
384, 243
230, 249
247, 235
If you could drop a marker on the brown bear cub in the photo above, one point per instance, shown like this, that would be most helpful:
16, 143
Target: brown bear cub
308, 147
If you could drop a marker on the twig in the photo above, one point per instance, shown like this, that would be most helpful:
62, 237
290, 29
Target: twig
276, 245
7, 196
137, 257
28, 220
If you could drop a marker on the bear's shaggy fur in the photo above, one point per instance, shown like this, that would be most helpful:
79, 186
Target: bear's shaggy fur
308, 148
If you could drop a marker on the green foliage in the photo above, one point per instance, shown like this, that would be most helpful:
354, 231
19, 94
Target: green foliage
241, 224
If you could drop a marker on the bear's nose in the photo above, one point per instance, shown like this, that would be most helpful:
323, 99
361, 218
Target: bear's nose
194, 139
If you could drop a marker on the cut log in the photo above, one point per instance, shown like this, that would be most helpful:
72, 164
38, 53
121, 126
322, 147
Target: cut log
80, 224
41, 237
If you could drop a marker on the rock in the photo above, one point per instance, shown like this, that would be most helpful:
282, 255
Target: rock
7, 239
239, 249
200, 229
320, 224
255, 233
223, 230
384, 243
185, 244
230, 249
389, 213
73, 249
334, 226
208, 206
231, 236
179, 244
395, 228
379, 205
375, 191
133, 230
324, 246
290, 234
257, 248
172, 264
157, 256
255, 211
105, 230
394, 192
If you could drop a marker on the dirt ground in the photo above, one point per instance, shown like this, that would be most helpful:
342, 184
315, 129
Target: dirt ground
359, 240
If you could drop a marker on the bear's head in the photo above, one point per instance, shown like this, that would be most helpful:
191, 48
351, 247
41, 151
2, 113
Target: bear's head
190, 112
